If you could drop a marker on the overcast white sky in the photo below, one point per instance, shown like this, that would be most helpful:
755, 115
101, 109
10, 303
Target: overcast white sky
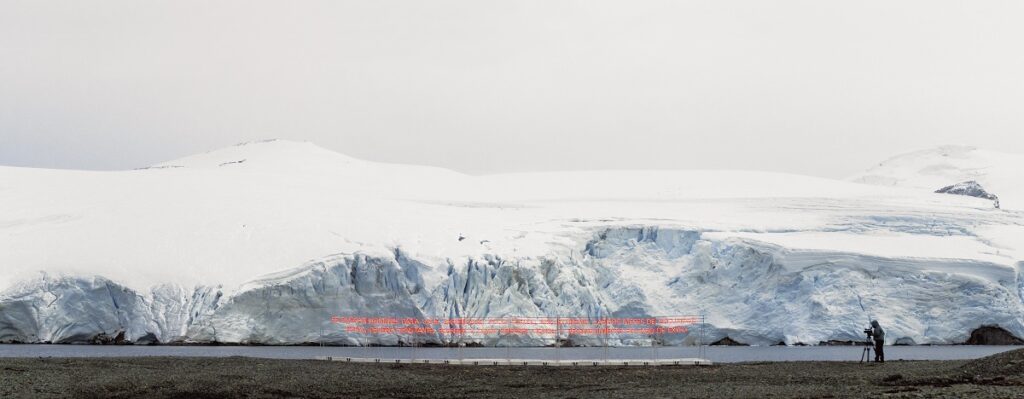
815, 87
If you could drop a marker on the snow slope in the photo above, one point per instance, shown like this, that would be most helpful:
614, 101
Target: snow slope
935, 168
263, 242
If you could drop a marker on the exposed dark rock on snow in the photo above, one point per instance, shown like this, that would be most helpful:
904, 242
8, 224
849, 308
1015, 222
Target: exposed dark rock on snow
993, 335
905, 341
969, 188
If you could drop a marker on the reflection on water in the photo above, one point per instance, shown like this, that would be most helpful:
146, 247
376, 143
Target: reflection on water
714, 353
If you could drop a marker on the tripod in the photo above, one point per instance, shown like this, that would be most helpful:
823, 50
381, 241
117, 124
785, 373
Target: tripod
865, 355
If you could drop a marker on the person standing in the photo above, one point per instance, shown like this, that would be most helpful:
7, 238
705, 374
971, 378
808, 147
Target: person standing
879, 335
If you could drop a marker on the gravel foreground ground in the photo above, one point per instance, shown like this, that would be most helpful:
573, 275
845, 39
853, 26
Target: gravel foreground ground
998, 376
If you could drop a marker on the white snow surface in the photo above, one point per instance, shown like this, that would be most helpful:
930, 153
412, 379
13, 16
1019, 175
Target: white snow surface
262, 242
934, 168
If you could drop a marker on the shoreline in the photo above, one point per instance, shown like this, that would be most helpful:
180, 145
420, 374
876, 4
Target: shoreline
717, 354
991, 377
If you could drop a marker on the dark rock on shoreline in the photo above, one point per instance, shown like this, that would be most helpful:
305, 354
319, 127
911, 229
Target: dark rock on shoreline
836, 342
1004, 370
993, 335
728, 342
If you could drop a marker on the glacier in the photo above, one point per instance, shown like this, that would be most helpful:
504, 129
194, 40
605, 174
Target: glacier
751, 292
265, 251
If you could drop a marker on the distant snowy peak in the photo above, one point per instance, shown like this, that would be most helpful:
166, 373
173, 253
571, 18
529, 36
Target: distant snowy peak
277, 154
936, 168
931, 168
299, 159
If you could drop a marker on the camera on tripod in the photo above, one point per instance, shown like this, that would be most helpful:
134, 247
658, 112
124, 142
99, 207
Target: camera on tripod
865, 355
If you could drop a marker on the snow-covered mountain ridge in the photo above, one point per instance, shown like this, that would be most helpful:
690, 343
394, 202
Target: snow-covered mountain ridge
263, 242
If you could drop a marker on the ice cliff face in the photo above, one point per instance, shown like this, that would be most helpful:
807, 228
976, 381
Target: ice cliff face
72, 310
752, 292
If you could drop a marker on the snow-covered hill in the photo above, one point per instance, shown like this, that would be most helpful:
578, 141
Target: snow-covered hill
932, 169
263, 242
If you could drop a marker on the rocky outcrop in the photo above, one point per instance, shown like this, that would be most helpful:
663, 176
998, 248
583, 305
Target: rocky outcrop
969, 188
993, 335
728, 342
837, 342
